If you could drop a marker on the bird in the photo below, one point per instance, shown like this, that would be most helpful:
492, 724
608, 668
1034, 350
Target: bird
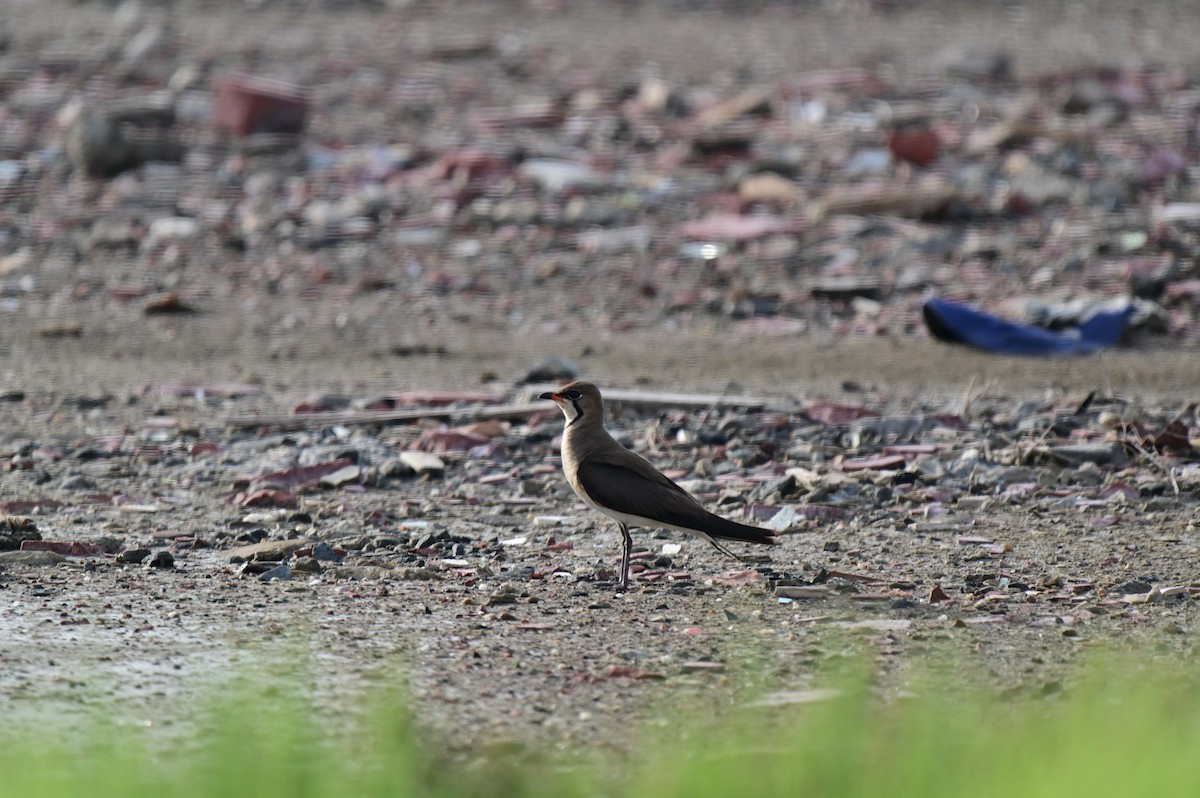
626, 487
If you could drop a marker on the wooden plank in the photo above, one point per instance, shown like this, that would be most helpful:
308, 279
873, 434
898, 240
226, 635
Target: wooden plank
690, 401
407, 415
524, 409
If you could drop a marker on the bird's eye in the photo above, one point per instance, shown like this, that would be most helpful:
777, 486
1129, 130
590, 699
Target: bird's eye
573, 395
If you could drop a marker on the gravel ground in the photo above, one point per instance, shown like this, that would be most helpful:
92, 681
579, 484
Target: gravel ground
484, 587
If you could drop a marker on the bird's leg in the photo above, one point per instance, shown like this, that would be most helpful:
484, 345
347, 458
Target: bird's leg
626, 552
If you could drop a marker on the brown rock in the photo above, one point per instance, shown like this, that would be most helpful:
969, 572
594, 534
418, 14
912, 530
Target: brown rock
269, 550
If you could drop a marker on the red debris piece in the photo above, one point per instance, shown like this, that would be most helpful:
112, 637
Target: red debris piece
951, 421
466, 165
442, 398
449, 440
1121, 489
204, 448
247, 104
917, 144
746, 577
127, 291
27, 506
1173, 438
880, 462
834, 413
937, 595
733, 227
72, 548
301, 476
265, 498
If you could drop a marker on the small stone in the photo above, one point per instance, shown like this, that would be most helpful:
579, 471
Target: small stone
423, 463
166, 303
832, 545
305, 565
61, 329
281, 571
323, 551
553, 369
937, 595
271, 550
256, 567
77, 482
161, 559
41, 558
133, 555
417, 575
502, 597
343, 476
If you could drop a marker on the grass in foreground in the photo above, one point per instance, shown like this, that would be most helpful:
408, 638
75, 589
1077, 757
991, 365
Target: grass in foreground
1115, 734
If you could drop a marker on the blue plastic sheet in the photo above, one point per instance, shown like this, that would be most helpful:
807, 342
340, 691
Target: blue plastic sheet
956, 323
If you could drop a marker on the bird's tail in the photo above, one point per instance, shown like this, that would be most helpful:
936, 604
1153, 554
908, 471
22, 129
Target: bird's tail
725, 529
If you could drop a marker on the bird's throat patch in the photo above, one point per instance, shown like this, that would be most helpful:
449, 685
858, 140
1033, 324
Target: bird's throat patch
578, 413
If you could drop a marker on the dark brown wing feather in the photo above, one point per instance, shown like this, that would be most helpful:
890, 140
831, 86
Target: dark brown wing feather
652, 495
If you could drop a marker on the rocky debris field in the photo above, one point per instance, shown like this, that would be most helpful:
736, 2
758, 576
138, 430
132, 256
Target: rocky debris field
450, 549
267, 378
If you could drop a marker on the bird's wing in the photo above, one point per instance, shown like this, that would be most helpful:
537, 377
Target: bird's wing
652, 496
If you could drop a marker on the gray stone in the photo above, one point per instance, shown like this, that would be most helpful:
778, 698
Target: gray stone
77, 482
133, 555
31, 558
323, 551
305, 565
161, 559
282, 571
343, 476
417, 575
553, 369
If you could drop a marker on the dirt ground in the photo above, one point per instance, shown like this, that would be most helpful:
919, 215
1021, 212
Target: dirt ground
488, 651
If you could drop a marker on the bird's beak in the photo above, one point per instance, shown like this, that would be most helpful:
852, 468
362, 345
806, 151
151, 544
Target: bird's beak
553, 397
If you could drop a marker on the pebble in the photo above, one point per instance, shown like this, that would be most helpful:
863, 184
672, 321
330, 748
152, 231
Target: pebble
77, 482
324, 552
269, 550
42, 558
161, 559
423, 463
133, 555
281, 571
343, 476
306, 565
554, 368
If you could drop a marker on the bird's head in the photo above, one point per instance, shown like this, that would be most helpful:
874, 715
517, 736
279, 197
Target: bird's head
578, 400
